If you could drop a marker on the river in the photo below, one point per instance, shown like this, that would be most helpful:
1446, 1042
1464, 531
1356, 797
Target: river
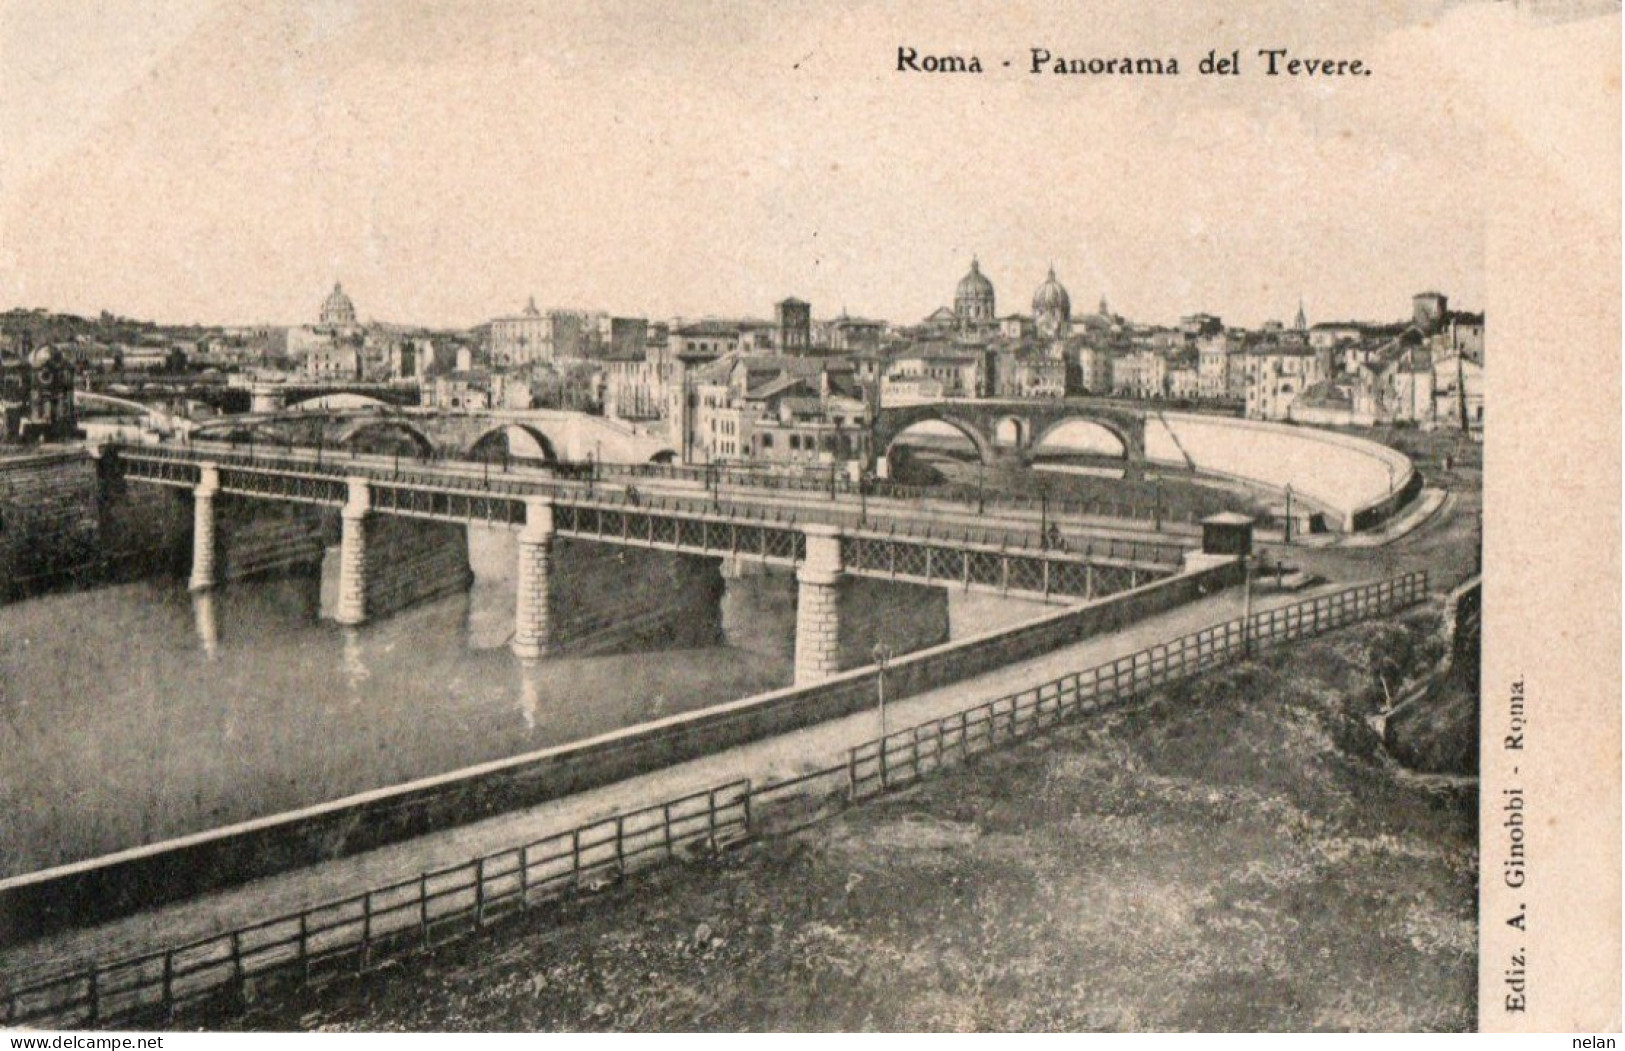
137, 712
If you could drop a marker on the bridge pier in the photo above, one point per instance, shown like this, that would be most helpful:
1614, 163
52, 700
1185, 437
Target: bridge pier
388, 563
840, 617
533, 615
818, 606
264, 397
352, 600
205, 532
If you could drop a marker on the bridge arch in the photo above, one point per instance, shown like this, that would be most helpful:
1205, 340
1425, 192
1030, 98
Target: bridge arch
95, 408
241, 428
498, 443
335, 400
1090, 425
386, 436
982, 442
1011, 430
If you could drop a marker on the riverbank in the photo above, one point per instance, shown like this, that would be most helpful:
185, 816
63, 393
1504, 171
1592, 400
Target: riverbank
1237, 853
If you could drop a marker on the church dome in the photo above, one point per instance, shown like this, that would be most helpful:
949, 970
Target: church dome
974, 285
337, 308
1051, 298
973, 301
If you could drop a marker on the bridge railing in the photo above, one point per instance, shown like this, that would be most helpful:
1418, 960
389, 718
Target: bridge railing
476, 478
808, 480
361, 931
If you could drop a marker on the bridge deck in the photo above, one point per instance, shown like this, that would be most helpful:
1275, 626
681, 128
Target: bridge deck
883, 542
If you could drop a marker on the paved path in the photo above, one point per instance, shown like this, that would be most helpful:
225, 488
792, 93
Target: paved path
773, 758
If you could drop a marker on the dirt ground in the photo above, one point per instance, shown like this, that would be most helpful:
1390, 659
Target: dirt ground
1234, 854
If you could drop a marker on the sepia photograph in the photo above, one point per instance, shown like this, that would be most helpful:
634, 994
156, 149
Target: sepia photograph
740, 517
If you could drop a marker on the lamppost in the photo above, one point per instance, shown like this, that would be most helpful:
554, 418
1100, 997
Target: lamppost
883, 655
1247, 606
1043, 515
1288, 533
834, 457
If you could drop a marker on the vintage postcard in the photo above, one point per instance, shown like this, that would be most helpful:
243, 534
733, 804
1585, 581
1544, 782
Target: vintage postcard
862, 516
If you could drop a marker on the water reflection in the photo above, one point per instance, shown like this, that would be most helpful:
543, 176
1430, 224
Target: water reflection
530, 691
208, 623
355, 663
138, 712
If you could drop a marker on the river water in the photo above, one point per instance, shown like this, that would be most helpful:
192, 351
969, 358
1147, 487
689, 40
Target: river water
137, 712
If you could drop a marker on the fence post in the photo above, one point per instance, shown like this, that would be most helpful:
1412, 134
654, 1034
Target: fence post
364, 957
750, 792
665, 826
711, 819
851, 775
304, 943
169, 984
524, 876
479, 892
620, 847
575, 858
423, 907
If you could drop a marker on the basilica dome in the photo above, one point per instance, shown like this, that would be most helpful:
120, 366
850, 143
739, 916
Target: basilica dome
1051, 297
973, 301
337, 310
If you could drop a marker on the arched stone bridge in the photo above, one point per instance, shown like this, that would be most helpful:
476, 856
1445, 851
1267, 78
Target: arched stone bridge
1000, 429
539, 434
273, 397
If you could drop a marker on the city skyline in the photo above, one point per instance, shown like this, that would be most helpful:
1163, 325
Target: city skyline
1083, 305
447, 163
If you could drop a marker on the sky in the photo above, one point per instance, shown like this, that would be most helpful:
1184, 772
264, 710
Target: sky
227, 161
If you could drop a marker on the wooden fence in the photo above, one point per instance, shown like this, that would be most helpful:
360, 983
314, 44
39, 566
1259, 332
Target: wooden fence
356, 933
909, 754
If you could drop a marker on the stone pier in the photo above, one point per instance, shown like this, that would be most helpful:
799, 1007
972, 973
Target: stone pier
388, 563
533, 615
205, 538
818, 600
841, 619
352, 603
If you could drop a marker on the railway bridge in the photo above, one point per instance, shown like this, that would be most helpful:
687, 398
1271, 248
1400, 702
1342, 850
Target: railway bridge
403, 539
